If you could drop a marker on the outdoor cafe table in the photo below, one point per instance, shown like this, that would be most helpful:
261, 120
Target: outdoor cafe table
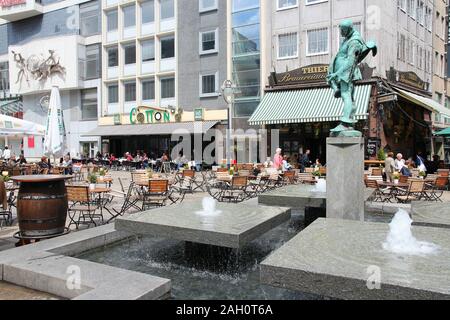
394, 187
100, 193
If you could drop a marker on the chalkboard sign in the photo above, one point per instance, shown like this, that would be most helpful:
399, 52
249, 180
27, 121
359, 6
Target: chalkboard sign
373, 145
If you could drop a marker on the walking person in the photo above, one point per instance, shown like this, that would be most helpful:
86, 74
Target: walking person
389, 166
6, 154
305, 162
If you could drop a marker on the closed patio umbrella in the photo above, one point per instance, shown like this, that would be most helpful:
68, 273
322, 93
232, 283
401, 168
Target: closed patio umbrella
55, 135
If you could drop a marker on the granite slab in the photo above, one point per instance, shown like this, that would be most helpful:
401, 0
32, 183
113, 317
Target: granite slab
235, 226
433, 214
343, 259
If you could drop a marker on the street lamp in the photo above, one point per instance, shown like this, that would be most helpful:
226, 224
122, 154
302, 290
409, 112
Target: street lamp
228, 95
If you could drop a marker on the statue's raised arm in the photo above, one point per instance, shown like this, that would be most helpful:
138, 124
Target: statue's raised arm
343, 73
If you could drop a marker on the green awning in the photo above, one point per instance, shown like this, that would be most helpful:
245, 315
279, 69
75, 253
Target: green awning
309, 105
445, 132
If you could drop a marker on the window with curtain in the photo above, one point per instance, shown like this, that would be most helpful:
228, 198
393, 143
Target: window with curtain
208, 83
148, 89
112, 20
113, 93
167, 88
148, 50
130, 91
129, 16
287, 45
148, 11
208, 41
130, 53
317, 41
167, 9
113, 56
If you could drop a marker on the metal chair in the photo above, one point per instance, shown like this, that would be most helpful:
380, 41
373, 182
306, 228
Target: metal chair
5, 209
416, 191
81, 202
157, 194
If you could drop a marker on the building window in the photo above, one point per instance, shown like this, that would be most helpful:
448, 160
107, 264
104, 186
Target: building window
285, 4
420, 12
207, 5
113, 56
412, 8
4, 75
93, 65
209, 85
112, 20
130, 53
129, 16
401, 51
208, 41
317, 41
148, 11
113, 93
148, 50
167, 9
89, 104
402, 4
167, 47
148, 89
167, 88
90, 18
314, 1
130, 91
287, 45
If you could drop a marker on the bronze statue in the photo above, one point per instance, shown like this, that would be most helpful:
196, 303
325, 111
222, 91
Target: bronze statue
343, 73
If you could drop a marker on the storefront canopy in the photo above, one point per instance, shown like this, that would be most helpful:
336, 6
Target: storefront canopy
10, 126
426, 103
310, 105
152, 129
445, 132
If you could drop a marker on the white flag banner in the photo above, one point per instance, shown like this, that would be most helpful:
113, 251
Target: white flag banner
55, 136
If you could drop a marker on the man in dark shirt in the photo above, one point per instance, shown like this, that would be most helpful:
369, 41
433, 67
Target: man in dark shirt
305, 162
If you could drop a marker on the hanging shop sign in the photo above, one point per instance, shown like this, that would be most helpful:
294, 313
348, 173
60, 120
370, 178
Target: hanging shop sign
11, 3
409, 79
198, 114
147, 115
373, 145
307, 74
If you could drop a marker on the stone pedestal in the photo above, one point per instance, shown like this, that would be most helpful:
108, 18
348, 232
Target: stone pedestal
345, 178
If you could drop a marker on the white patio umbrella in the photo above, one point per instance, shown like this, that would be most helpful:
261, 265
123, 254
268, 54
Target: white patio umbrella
55, 135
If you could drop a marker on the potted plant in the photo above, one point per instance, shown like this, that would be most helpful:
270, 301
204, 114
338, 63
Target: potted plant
317, 175
92, 178
422, 174
231, 171
101, 174
396, 177
149, 173
5, 176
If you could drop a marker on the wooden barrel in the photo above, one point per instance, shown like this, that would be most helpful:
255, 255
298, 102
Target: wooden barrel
41, 205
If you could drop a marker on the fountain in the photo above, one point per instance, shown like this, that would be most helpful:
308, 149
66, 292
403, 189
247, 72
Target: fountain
401, 240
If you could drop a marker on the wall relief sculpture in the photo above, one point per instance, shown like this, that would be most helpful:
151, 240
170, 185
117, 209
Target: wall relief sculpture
38, 68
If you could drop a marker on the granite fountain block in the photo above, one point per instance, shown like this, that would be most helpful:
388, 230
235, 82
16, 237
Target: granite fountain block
431, 214
294, 196
237, 225
338, 258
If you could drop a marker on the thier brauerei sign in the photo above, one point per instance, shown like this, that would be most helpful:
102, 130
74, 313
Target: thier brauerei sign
315, 73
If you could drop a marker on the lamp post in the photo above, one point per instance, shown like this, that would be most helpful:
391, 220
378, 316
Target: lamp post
228, 95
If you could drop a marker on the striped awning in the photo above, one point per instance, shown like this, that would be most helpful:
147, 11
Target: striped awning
426, 103
309, 105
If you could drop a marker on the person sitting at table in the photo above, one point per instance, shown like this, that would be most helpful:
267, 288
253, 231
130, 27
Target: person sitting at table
12, 161
112, 158
285, 164
164, 157
22, 159
43, 164
128, 157
268, 163
181, 160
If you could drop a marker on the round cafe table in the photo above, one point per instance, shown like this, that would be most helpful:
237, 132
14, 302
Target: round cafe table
41, 207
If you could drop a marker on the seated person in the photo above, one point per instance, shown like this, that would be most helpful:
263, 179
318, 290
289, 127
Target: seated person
43, 164
22, 159
285, 164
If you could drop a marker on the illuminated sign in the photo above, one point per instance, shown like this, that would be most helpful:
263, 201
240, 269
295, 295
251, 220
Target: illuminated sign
10, 3
149, 116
